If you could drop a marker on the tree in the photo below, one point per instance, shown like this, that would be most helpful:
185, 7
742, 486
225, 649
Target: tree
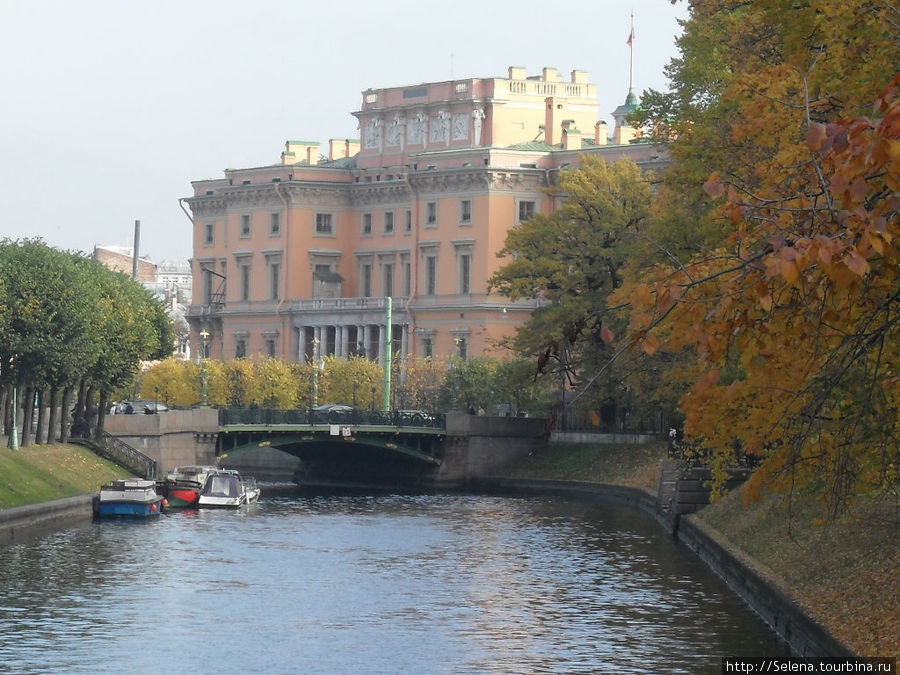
796, 322
572, 260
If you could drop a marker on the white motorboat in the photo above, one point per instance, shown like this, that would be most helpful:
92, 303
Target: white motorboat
225, 488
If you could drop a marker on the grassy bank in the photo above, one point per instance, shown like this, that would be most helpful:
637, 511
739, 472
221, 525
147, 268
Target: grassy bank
844, 572
42, 473
631, 465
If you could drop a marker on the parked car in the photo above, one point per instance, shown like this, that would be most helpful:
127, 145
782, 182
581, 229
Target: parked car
334, 412
415, 418
141, 407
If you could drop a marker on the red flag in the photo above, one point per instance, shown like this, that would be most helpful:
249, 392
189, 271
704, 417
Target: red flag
630, 38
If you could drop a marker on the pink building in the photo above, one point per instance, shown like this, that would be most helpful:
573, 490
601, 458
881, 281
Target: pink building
296, 259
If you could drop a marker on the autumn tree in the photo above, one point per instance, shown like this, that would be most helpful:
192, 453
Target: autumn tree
791, 307
571, 260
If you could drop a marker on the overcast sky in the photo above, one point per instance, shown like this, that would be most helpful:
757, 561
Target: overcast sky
110, 108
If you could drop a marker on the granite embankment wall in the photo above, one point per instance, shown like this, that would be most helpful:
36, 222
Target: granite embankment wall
23, 523
805, 636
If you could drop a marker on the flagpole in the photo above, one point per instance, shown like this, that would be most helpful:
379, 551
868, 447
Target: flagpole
631, 50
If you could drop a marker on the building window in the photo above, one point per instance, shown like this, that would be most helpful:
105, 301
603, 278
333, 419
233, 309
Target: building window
274, 223
462, 347
366, 279
245, 226
367, 223
427, 347
431, 213
271, 352
240, 349
465, 211
407, 224
526, 210
209, 236
430, 275
465, 274
274, 277
407, 279
245, 282
323, 223
388, 269
388, 222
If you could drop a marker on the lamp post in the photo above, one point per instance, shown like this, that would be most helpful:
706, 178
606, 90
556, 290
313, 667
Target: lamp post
14, 433
315, 375
204, 373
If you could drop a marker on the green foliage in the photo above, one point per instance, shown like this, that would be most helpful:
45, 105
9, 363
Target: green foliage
351, 381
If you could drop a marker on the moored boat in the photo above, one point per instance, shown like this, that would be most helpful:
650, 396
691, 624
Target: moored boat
129, 497
225, 488
183, 484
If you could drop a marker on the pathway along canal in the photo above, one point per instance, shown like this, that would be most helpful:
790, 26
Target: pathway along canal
343, 583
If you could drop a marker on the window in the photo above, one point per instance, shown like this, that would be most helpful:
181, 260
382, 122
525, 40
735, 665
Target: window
270, 348
388, 222
430, 275
431, 213
245, 282
245, 226
274, 273
367, 223
209, 236
388, 269
427, 347
407, 225
462, 347
526, 211
275, 223
465, 273
407, 278
366, 279
323, 223
240, 349
465, 211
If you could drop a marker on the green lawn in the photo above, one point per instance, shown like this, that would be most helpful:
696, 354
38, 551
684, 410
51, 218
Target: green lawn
41, 473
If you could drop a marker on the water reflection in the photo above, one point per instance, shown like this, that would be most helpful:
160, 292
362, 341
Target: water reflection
371, 583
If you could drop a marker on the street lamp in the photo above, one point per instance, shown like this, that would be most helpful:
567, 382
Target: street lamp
14, 432
315, 377
204, 372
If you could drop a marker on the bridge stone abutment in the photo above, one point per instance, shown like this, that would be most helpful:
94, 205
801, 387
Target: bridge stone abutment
477, 446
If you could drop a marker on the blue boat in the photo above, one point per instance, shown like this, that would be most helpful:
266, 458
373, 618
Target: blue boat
129, 497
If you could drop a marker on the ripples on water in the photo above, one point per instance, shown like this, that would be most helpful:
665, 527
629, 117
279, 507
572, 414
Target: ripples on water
371, 584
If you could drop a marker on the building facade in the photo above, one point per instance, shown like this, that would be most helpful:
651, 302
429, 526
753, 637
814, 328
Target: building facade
298, 259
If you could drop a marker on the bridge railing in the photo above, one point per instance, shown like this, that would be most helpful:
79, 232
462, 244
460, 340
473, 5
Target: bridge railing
273, 417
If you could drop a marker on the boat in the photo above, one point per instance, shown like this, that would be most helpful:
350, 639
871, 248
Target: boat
226, 488
129, 497
182, 485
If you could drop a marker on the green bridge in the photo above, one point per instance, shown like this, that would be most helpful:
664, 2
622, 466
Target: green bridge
339, 443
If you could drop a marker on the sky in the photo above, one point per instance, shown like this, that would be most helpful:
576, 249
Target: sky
110, 108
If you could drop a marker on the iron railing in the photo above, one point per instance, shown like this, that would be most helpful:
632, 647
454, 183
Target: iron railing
356, 417
119, 452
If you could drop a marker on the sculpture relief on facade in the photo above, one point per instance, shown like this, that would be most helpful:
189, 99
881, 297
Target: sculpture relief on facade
396, 132
477, 120
416, 129
440, 128
460, 127
373, 136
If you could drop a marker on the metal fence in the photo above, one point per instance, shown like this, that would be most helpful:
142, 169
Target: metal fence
274, 417
119, 452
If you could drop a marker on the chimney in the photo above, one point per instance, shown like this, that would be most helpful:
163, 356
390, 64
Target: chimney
517, 73
571, 137
600, 137
550, 119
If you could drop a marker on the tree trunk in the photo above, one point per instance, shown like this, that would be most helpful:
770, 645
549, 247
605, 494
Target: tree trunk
101, 411
41, 417
54, 415
65, 421
4, 408
28, 417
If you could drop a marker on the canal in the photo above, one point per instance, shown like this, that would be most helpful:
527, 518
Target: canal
363, 583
